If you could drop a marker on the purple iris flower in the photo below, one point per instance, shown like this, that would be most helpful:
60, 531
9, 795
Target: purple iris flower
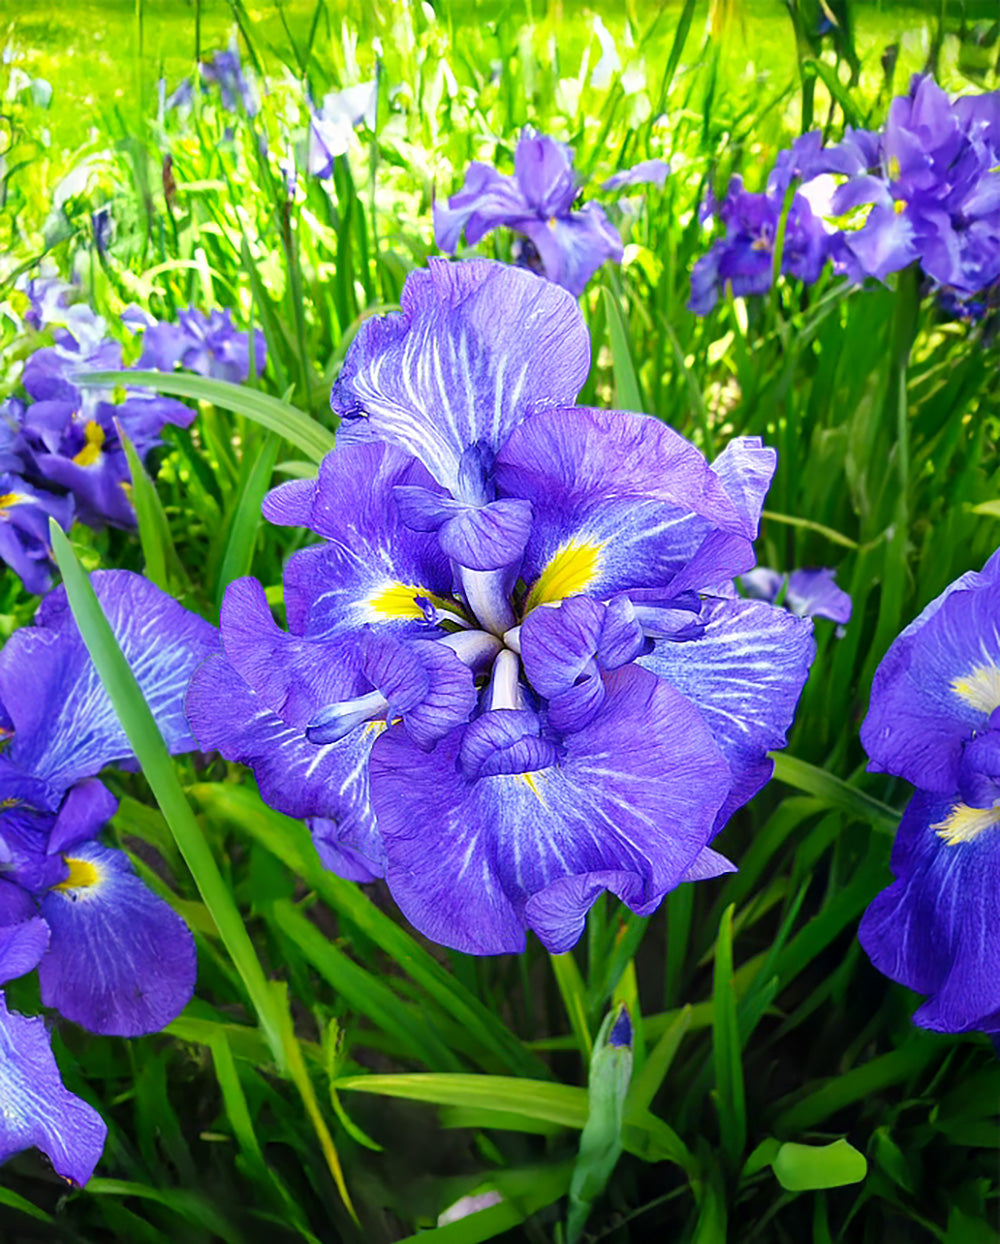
226, 71
536, 201
506, 684
110, 954
928, 184
207, 344
48, 295
332, 125
934, 720
71, 433
808, 593
743, 260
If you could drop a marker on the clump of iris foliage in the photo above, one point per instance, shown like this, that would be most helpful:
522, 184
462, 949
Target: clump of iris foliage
197, 249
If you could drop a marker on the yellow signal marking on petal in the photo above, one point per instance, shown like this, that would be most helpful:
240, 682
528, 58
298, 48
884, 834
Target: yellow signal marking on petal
12, 498
894, 168
81, 874
570, 571
398, 600
900, 206
980, 688
532, 780
964, 824
11, 801
93, 435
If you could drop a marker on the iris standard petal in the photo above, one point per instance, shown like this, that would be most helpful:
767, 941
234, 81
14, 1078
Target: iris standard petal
635, 792
121, 961
38, 1111
83, 814
745, 674
477, 348
543, 167
938, 683
65, 728
934, 929
619, 500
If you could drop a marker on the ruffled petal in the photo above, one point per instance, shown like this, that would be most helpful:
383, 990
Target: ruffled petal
37, 1110
935, 929
938, 683
745, 674
477, 348
620, 501
121, 962
635, 792
65, 728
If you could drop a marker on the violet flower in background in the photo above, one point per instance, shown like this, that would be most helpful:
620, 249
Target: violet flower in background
24, 529
808, 593
209, 345
110, 954
226, 71
332, 125
645, 173
925, 189
743, 260
934, 720
504, 755
536, 201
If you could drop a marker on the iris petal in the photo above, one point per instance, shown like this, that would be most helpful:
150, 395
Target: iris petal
37, 1110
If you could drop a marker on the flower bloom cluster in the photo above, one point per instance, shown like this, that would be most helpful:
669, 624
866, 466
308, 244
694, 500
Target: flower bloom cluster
567, 244
223, 69
934, 720
515, 674
61, 451
110, 954
926, 189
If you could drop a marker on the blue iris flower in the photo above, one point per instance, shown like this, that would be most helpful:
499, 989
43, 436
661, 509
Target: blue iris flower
210, 345
934, 720
567, 244
110, 954
510, 680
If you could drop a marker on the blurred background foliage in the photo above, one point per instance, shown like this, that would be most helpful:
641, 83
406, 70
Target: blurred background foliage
758, 1021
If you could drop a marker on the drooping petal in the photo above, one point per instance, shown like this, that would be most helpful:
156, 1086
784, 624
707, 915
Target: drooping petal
646, 172
295, 776
745, 674
814, 594
65, 728
620, 501
341, 854
938, 683
372, 568
121, 962
83, 814
634, 793
934, 929
573, 246
477, 348
38, 1111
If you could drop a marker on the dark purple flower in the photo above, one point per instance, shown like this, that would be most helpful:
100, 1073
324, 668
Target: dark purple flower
743, 260
538, 202
934, 720
502, 753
